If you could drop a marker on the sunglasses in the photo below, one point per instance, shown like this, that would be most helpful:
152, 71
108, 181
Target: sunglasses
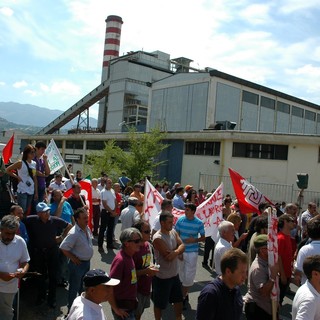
135, 241
146, 231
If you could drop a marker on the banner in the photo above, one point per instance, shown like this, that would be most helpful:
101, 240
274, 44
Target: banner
273, 254
248, 196
55, 160
210, 212
86, 191
8, 150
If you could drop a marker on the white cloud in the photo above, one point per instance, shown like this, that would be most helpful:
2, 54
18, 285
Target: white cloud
256, 14
20, 84
6, 11
32, 93
63, 88
291, 6
2, 83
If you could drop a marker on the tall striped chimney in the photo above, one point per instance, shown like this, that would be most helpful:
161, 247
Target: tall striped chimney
111, 50
111, 43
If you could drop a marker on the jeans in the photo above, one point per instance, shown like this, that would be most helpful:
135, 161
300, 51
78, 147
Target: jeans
107, 222
208, 246
76, 274
24, 201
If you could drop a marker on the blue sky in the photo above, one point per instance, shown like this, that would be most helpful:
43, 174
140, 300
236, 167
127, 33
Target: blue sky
51, 51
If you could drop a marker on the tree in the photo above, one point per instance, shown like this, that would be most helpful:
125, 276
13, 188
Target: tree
139, 161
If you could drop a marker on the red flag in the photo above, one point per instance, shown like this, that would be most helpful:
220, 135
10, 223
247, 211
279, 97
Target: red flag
248, 196
7, 150
86, 191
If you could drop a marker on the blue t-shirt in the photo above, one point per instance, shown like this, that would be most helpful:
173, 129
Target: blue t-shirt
190, 228
66, 213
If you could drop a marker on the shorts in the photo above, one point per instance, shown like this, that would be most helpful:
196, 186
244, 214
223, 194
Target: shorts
143, 303
188, 268
166, 291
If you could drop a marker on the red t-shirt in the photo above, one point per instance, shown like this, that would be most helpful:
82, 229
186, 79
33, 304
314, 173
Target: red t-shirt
286, 253
142, 260
118, 207
123, 268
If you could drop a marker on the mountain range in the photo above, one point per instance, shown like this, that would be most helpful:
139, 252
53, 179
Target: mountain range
30, 118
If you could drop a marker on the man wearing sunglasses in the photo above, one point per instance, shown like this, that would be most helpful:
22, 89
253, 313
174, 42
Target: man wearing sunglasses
123, 268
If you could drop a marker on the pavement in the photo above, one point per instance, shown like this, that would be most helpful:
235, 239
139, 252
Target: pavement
28, 294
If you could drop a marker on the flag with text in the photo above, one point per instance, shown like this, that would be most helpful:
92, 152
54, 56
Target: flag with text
248, 196
55, 160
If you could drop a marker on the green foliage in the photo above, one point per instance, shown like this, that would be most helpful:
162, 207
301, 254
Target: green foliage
140, 160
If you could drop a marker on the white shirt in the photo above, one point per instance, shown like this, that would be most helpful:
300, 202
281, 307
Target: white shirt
84, 309
221, 247
11, 256
109, 196
55, 186
129, 216
306, 303
306, 251
27, 183
96, 194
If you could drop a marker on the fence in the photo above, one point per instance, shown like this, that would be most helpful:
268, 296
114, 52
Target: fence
275, 192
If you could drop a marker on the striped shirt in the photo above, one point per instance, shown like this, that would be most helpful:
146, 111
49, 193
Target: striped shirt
190, 228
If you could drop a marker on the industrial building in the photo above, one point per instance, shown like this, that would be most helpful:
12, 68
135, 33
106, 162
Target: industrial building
213, 120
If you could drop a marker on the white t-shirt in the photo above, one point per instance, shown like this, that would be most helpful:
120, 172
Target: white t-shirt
27, 183
306, 251
109, 196
306, 303
11, 256
221, 247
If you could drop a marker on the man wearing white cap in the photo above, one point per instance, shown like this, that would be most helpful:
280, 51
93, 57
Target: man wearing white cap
98, 288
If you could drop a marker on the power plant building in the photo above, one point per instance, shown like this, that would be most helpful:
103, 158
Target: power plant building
213, 121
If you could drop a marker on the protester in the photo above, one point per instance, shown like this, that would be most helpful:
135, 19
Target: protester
96, 202
137, 194
130, 215
178, 201
17, 211
306, 302
221, 299
123, 268
57, 183
60, 207
97, 289
189, 228
76, 200
77, 247
166, 283
166, 205
258, 298
226, 232
43, 242
144, 268
14, 259
108, 206
27, 178
42, 170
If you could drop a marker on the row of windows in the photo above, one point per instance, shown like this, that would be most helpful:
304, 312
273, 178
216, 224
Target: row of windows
91, 145
243, 150
269, 103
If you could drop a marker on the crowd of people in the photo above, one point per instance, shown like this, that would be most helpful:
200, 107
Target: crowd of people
51, 241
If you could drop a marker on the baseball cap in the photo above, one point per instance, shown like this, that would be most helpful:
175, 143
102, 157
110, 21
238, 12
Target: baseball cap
260, 241
97, 276
188, 187
42, 207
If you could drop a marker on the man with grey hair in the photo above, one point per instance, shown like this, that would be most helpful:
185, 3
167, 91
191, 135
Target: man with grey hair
226, 232
123, 268
14, 259
130, 215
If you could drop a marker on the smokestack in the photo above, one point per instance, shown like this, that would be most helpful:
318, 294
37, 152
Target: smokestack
111, 50
112, 43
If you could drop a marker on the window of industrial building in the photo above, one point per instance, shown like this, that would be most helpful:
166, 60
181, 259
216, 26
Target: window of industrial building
250, 97
310, 115
74, 144
260, 151
268, 103
298, 112
203, 148
58, 143
283, 107
124, 145
95, 145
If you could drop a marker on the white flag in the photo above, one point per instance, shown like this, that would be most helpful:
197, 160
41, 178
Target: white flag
210, 212
152, 202
55, 160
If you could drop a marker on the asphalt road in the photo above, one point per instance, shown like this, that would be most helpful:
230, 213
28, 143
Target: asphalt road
28, 311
